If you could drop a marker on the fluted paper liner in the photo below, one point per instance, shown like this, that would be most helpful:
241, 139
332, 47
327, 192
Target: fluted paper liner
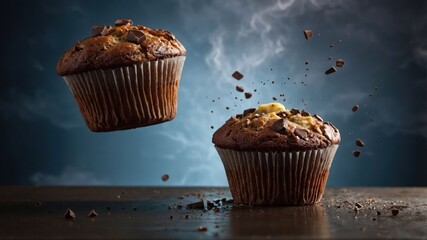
128, 97
277, 178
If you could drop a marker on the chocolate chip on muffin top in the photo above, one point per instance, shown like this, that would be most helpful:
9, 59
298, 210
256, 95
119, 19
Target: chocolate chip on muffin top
271, 127
121, 45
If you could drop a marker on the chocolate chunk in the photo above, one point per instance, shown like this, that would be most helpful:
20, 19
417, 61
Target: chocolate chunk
135, 36
340, 63
196, 205
202, 229
171, 217
358, 205
69, 214
318, 117
301, 133
248, 95
360, 143
378, 213
305, 114
331, 45
328, 131
394, 211
329, 58
92, 214
237, 75
239, 115
355, 108
282, 115
294, 111
121, 22
356, 153
308, 34
100, 30
306, 62
165, 177
248, 111
228, 108
78, 47
212, 127
274, 98
240, 88
280, 126
330, 70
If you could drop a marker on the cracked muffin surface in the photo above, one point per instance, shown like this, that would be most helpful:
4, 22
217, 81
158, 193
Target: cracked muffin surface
121, 45
272, 127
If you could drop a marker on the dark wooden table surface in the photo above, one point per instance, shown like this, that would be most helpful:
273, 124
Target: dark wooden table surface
145, 212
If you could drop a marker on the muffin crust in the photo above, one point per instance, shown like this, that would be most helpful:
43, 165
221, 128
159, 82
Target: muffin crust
272, 127
118, 46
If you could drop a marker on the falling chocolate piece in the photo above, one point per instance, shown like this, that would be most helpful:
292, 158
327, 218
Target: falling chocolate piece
274, 98
301, 133
237, 75
340, 63
360, 143
69, 214
196, 205
318, 117
202, 229
212, 127
394, 211
356, 153
100, 30
92, 214
240, 88
305, 114
330, 70
294, 111
121, 22
282, 115
308, 34
280, 125
248, 111
331, 45
306, 62
135, 36
248, 95
329, 58
165, 177
355, 108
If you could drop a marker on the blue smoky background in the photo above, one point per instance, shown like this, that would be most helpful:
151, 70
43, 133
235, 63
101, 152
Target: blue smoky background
44, 140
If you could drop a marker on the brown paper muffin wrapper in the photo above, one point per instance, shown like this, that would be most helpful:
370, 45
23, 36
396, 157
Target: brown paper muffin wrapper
130, 96
277, 178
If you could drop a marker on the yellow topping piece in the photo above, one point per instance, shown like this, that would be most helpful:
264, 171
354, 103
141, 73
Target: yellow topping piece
270, 108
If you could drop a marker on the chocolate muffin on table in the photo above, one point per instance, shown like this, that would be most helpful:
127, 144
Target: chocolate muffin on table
124, 76
276, 156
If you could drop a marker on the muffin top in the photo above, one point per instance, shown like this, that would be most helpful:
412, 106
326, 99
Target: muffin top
118, 46
272, 127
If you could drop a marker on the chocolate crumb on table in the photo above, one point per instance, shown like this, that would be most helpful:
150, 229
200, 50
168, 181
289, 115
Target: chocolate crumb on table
237, 75
92, 214
196, 205
394, 211
165, 177
308, 34
360, 143
69, 214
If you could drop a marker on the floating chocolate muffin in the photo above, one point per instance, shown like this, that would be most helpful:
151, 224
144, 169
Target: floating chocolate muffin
124, 76
275, 156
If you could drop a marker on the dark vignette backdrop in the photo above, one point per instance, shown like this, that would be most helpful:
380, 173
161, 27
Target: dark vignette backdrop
384, 44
